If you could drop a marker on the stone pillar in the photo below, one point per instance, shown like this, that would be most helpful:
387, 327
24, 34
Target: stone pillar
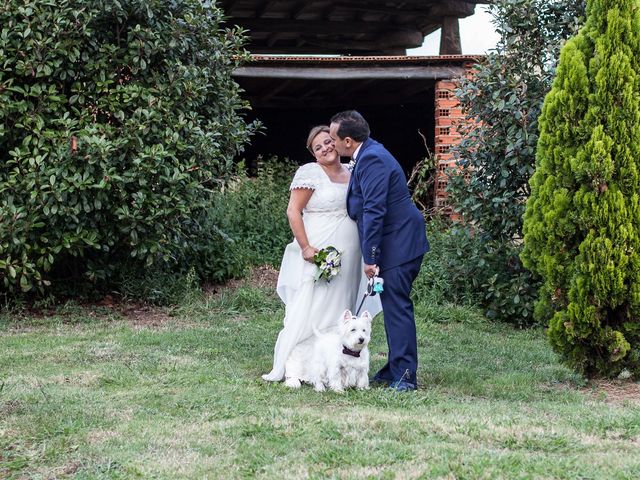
450, 37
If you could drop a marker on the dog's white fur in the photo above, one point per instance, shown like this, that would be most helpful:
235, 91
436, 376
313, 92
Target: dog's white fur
321, 360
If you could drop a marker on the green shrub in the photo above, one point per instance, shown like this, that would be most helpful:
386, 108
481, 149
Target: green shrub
421, 183
252, 211
501, 103
156, 285
582, 222
144, 87
445, 276
458, 270
211, 252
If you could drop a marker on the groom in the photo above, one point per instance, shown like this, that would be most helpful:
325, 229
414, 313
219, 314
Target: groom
392, 239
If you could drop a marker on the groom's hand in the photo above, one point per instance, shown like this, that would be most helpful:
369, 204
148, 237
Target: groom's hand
370, 270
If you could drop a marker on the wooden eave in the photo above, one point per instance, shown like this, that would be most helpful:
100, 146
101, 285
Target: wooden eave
371, 27
303, 81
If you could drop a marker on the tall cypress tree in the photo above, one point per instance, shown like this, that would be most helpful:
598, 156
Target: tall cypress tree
582, 220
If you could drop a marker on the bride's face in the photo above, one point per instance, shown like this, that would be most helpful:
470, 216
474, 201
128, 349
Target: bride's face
324, 148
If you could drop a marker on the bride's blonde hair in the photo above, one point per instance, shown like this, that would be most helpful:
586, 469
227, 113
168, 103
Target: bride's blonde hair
315, 131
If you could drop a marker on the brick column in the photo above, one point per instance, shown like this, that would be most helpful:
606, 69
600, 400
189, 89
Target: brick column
449, 118
448, 114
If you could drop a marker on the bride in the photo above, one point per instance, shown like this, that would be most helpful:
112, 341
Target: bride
318, 218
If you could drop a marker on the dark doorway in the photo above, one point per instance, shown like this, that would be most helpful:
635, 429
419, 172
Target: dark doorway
405, 127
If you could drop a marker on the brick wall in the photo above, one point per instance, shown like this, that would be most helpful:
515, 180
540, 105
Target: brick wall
448, 115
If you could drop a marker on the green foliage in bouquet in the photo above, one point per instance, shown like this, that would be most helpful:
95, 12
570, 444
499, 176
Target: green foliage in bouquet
582, 221
328, 260
118, 121
501, 102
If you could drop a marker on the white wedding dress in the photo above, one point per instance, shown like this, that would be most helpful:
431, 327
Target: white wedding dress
319, 303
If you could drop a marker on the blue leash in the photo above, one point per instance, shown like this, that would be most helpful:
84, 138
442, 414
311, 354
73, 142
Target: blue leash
375, 285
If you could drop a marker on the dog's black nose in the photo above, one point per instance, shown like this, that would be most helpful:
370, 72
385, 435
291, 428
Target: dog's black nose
361, 340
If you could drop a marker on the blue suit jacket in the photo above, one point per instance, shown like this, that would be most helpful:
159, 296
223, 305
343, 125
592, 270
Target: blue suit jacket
391, 228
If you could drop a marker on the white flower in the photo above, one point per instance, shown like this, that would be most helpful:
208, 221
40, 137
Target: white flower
328, 262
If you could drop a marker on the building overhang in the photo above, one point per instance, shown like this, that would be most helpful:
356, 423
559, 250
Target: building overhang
348, 27
287, 81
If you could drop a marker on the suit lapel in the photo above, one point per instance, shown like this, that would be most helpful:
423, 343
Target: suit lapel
365, 145
353, 174
356, 169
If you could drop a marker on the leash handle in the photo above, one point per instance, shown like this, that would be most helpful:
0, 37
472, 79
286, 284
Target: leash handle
374, 286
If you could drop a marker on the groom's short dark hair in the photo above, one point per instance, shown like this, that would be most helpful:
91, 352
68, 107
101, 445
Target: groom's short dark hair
352, 124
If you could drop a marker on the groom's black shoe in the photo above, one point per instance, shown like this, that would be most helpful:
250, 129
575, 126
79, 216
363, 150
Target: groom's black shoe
378, 380
402, 386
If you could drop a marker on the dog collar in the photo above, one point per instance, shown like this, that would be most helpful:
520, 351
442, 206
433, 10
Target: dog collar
350, 352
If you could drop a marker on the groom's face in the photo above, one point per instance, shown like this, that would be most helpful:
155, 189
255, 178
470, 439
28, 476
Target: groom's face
344, 146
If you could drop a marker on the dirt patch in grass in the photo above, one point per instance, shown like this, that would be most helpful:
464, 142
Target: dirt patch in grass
112, 308
263, 276
7, 408
71, 468
147, 316
614, 391
108, 310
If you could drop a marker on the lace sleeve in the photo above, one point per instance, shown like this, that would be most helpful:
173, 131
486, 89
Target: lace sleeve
305, 177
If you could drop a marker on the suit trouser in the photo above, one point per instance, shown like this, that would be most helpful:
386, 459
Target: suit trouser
399, 322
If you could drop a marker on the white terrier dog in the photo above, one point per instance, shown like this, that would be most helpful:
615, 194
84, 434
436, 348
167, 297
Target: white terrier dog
338, 360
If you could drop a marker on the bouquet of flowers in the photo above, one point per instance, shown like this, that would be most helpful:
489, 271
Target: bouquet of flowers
328, 262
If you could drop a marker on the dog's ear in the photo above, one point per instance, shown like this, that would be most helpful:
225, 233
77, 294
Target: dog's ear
347, 315
367, 316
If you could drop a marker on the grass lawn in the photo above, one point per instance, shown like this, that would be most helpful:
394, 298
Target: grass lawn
92, 393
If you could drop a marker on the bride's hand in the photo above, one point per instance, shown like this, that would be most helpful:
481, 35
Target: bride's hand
309, 252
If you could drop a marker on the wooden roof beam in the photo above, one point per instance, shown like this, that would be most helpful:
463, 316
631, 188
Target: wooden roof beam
453, 8
373, 8
459, 8
306, 26
306, 49
349, 73
386, 41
